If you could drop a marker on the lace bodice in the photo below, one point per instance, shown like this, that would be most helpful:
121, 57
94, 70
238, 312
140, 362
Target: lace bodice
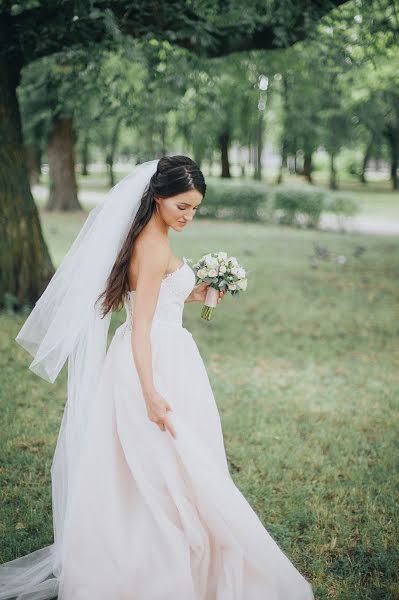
175, 287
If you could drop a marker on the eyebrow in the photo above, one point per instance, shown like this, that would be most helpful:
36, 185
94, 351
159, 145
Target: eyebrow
181, 202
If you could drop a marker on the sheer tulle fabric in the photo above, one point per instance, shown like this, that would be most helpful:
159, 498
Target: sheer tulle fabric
66, 324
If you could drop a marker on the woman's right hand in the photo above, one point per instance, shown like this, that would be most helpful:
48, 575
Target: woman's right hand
157, 408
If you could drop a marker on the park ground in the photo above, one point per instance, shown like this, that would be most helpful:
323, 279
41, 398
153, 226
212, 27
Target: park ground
305, 371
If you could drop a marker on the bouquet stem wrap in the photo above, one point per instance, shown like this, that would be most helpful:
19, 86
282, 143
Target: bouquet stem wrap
211, 300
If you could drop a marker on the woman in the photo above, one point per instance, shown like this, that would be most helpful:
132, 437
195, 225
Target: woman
143, 503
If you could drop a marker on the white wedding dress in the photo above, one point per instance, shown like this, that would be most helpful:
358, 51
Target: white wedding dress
158, 518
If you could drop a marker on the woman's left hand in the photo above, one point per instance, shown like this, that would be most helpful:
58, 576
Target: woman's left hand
199, 292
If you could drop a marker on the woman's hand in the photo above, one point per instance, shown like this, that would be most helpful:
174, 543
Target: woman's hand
157, 408
199, 293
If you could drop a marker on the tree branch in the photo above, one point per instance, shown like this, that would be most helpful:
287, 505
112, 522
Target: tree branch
52, 27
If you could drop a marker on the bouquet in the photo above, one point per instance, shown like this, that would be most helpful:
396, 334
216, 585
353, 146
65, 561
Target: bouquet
222, 273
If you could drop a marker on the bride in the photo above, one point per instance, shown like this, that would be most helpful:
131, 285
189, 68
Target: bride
144, 507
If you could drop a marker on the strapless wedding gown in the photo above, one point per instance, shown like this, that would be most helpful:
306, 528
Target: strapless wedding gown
158, 518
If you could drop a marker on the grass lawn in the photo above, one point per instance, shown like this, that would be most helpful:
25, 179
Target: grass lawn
305, 371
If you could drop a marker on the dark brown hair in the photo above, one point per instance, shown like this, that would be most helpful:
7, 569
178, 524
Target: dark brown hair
174, 175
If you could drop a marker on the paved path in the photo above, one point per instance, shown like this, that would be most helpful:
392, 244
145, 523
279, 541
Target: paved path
361, 224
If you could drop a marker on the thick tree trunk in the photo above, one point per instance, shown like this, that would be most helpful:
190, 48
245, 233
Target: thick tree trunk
224, 140
307, 167
333, 173
61, 160
85, 155
25, 263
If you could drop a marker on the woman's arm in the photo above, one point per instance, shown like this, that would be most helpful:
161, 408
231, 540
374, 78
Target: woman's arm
152, 259
152, 263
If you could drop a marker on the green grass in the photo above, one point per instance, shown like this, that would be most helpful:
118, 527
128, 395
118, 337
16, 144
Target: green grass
305, 371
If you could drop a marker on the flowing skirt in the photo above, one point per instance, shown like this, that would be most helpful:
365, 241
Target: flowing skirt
158, 518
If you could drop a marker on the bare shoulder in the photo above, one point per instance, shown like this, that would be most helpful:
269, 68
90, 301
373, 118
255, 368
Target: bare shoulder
151, 254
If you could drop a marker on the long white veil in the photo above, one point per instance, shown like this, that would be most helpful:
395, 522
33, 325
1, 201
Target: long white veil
65, 324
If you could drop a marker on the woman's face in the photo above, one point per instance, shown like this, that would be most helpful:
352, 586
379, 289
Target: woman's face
177, 211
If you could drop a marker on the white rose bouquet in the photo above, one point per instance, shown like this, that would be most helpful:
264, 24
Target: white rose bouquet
222, 273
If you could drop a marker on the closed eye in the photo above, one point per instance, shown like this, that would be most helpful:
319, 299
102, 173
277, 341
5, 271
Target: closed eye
179, 207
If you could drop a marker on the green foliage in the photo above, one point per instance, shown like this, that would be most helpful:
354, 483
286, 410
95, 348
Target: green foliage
287, 205
299, 205
305, 205
341, 203
229, 200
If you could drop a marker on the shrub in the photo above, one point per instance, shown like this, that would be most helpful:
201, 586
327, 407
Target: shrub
340, 203
299, 205
254, 201
232, 200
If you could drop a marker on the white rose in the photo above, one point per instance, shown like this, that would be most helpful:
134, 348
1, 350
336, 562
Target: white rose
234, 270
212, 273
232, 286
233, 261
222, 269
222, 255
211, 262
202, 273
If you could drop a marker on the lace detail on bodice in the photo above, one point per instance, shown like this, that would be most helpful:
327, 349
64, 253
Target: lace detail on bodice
175, 287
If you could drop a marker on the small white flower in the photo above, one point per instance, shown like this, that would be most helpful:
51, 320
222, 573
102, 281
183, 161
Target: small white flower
232, 286
222, 269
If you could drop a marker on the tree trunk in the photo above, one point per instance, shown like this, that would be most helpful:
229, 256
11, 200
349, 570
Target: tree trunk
224, 140
284, 141
333, 173
61, 160
32, 153
25, 263
393, 138
284, 161
259, 146
111, 154
296, 162
162, 132
85, 155
366, 159
307, 166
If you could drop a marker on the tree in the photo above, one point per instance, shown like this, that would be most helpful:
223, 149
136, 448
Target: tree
54, 27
